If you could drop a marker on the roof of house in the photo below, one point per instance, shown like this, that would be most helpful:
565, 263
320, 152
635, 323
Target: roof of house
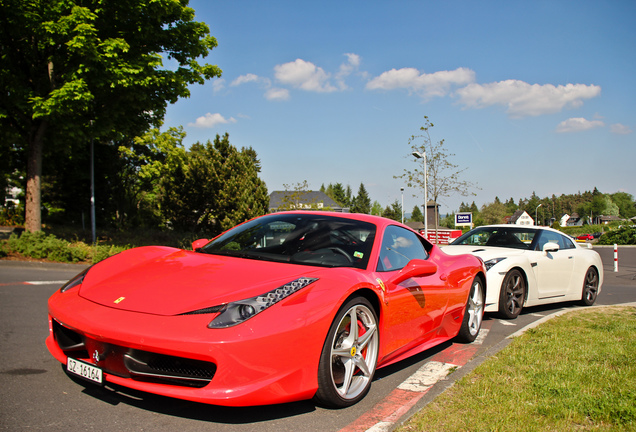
277, 198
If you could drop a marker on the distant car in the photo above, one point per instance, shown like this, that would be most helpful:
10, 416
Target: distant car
585, 237
284, 307
529, 266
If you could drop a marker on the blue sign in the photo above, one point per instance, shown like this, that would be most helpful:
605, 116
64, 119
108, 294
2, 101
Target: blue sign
463, 219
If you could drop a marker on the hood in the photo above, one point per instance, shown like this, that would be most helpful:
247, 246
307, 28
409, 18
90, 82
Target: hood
484, 252
168, 281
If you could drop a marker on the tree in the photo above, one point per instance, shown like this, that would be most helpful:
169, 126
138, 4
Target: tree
394, 211
416, 214
77, 70
625, 203
215, 188
493, 213
442, 178
361, 203
376, 208
295, 199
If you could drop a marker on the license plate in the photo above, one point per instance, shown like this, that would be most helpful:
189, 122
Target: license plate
84, 370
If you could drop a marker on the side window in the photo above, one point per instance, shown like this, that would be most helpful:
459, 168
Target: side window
551, 237
567, 243
399, 246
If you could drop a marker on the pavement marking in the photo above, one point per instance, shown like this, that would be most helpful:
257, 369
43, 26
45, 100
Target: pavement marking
507, 323
383, 416
35, 283
427, 376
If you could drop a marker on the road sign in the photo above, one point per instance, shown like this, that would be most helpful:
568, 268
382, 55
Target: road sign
462, 219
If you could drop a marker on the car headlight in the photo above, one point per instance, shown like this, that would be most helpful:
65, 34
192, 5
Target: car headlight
75, 281
240, 311
492, 262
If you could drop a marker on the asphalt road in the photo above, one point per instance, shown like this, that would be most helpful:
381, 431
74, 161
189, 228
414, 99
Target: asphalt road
36, 394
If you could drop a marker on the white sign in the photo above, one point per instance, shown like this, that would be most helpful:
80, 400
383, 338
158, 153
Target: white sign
462, 219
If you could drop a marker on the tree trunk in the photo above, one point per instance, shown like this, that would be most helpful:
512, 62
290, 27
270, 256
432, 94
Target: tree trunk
33, 205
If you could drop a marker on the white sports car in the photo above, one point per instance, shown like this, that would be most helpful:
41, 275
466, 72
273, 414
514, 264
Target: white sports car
529, 266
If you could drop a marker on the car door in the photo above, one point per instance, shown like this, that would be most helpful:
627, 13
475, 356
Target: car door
554, 267
416, 306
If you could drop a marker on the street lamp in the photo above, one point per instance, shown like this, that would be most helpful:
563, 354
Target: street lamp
535, 215
402, 190
422, 155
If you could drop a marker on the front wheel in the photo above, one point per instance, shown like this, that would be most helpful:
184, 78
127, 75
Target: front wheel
349, 355
590, 287
512, 295
474, 313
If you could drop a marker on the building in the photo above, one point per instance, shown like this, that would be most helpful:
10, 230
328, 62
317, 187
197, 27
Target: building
303, 200
521, 217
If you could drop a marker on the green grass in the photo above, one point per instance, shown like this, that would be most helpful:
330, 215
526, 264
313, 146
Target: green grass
576, 372
69, 245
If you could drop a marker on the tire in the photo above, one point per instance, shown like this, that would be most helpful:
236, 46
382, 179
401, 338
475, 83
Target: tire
349, 358
590, 287
474, 314
512, 294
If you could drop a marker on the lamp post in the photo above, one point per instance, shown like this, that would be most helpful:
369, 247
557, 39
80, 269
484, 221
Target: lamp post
535, 215
422, 155
402, 190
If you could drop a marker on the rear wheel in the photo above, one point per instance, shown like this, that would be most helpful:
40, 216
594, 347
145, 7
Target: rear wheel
512, 294
474, 313
349, 355
590, 287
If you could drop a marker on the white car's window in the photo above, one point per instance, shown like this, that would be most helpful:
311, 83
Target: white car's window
399, 246
507, 237
550, 237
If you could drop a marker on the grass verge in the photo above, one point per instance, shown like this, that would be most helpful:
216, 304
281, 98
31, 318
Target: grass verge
576, 372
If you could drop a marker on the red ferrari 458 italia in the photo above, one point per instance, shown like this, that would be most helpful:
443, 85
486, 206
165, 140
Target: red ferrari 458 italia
285, 307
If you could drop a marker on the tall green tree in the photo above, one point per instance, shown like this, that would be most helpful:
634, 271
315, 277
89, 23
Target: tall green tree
215, 188
361, 203
394, 211
416, 214
75, 70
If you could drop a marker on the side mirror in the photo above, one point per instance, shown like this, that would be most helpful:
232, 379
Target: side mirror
197, 244
415, 268
550, 247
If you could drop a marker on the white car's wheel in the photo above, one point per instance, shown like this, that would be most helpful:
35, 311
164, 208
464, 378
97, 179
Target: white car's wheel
590, 287
512, 294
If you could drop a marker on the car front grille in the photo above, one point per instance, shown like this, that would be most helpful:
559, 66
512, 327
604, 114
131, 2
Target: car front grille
132, 363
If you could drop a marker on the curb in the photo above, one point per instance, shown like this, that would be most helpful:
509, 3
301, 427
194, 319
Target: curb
441, 386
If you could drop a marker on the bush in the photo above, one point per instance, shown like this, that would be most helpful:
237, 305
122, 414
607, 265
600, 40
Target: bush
620, 236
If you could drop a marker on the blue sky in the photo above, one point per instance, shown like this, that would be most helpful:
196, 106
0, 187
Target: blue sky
532, 96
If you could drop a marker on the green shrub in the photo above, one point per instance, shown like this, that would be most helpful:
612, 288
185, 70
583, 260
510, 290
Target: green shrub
620, 236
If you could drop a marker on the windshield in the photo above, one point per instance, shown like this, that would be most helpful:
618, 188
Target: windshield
506, 237
299, 239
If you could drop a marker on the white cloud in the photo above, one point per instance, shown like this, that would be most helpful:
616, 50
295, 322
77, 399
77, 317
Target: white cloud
210, 120
304, 75
248, 78
426, 85
346, 69
218, 85
620, 129
277, 94
523, 99
578, 124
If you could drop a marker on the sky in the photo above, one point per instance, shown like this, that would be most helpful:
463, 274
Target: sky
529, 96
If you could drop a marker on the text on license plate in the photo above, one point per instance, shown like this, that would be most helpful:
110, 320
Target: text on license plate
84, 370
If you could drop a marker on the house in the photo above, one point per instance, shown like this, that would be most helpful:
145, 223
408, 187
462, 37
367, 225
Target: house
575, 220
303, 200
564, 219
521, 217
607, 219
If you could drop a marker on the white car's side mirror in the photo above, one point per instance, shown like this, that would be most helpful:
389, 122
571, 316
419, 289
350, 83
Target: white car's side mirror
550, 247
